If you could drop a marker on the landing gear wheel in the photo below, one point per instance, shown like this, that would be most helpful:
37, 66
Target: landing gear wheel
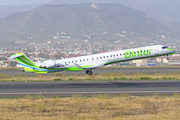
89, 72
167, 57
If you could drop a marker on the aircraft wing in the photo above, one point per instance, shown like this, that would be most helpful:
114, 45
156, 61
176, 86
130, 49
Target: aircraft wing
86, 67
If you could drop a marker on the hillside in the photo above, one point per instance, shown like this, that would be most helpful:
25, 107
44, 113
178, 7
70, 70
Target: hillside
6, 10
47, 20
164, 11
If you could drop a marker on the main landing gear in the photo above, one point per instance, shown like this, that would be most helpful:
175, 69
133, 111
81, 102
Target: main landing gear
89, 72
167, 57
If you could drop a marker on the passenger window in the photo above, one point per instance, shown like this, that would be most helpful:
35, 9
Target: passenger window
117, 54
97, 58
92, 58
104, 57
110, 55
80, 60
101, 57
107, 56
113, 55
84, 60
72, 61
69, 62
87, 59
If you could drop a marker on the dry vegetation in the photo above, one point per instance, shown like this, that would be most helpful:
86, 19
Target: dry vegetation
99, 77
100, 107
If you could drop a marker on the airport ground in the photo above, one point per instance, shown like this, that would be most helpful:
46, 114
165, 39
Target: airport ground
134, 81
92, 98
97, 107
149, 70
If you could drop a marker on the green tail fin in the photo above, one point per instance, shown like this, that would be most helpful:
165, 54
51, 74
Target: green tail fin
24, 60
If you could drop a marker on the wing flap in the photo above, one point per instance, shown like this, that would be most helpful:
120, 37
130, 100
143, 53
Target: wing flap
86, 67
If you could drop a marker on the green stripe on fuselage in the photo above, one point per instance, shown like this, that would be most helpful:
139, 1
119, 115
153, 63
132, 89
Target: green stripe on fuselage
133, 59
170, 49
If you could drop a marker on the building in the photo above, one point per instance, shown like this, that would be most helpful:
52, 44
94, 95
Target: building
140, 62
172, 60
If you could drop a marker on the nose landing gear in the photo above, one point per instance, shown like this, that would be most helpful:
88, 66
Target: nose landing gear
89, 72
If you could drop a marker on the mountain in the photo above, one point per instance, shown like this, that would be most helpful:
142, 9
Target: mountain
50, 19
23, 2
15, 6
164, 11
6, 10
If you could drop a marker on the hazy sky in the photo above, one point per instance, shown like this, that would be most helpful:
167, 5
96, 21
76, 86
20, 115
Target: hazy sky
20, 2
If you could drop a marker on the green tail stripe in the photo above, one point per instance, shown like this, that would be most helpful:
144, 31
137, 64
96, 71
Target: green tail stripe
25, 62
27, 59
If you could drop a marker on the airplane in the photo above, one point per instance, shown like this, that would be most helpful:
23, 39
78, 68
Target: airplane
93, 61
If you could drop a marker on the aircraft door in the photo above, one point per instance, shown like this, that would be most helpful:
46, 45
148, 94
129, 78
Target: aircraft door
156, 51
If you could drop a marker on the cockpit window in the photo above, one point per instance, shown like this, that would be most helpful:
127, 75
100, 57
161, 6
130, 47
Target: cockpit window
165, 47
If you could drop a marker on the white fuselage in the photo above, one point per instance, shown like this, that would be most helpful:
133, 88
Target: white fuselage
99, 60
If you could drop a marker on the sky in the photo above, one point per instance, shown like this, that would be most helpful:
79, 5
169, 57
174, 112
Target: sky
23, 2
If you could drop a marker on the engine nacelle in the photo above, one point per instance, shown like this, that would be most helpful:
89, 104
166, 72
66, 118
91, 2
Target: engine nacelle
48, 64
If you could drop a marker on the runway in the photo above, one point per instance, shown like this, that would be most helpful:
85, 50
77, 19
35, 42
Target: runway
98, 71
136, 88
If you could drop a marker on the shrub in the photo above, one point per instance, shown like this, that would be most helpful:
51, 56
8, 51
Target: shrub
57, 79
29, 97
12, 80
39, 96
145, 78
122, 78
42, 108
166, 78
109, 79
58, 74
71, 78
88, 78
115, 78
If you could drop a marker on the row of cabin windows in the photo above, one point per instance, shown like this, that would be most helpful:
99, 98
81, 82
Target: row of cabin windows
101, 57
94, 59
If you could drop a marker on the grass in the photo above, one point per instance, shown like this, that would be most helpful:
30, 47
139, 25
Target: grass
97, 107
100, 77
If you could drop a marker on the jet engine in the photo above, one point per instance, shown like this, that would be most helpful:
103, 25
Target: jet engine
48, 64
